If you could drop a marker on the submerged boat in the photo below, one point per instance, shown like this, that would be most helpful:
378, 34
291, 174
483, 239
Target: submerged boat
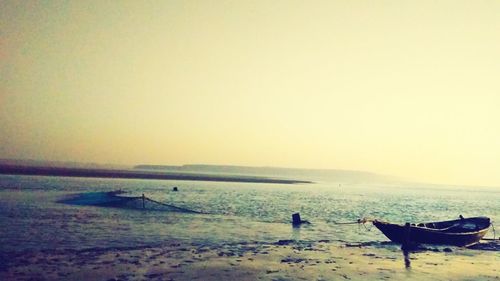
461, 232
114, 199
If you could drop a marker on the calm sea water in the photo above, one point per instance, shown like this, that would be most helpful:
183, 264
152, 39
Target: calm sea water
31, 218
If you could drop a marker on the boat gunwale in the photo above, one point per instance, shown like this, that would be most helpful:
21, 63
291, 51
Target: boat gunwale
434, 229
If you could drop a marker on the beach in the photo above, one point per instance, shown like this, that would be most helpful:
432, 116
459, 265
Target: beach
239, 231
249, 140
283, 260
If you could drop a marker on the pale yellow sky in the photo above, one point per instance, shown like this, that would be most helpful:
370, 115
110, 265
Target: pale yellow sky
406, 88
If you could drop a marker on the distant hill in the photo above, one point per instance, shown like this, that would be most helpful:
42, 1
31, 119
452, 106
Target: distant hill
335, 175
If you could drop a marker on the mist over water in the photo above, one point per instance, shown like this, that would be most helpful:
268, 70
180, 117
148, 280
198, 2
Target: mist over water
31, 218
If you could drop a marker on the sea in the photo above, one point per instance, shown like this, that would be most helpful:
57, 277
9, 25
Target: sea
32, 219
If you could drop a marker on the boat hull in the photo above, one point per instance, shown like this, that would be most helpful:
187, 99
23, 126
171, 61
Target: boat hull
423, 235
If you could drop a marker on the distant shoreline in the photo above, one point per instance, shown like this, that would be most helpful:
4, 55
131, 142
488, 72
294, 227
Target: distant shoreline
128, 174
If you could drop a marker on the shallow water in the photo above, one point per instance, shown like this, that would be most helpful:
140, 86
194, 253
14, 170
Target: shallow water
31, 218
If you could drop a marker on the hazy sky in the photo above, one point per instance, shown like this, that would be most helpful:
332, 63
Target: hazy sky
406, 88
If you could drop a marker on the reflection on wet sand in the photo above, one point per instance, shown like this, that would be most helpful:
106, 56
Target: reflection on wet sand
406, 255
489, 245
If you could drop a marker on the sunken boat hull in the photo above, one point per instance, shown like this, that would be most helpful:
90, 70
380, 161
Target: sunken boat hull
461, 232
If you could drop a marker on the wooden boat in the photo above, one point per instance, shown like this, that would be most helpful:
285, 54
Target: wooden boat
461, 232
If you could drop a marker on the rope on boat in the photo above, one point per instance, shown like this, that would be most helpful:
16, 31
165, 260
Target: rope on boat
144, 198
358, 221
171, 206
494, 235
344, 223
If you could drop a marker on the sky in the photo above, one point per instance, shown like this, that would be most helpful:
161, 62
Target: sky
403, 88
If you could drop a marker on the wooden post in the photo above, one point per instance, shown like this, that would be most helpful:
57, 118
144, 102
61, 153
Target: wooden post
143, 201
296, 219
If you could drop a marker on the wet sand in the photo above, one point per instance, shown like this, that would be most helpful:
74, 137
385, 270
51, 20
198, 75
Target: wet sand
283, 260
